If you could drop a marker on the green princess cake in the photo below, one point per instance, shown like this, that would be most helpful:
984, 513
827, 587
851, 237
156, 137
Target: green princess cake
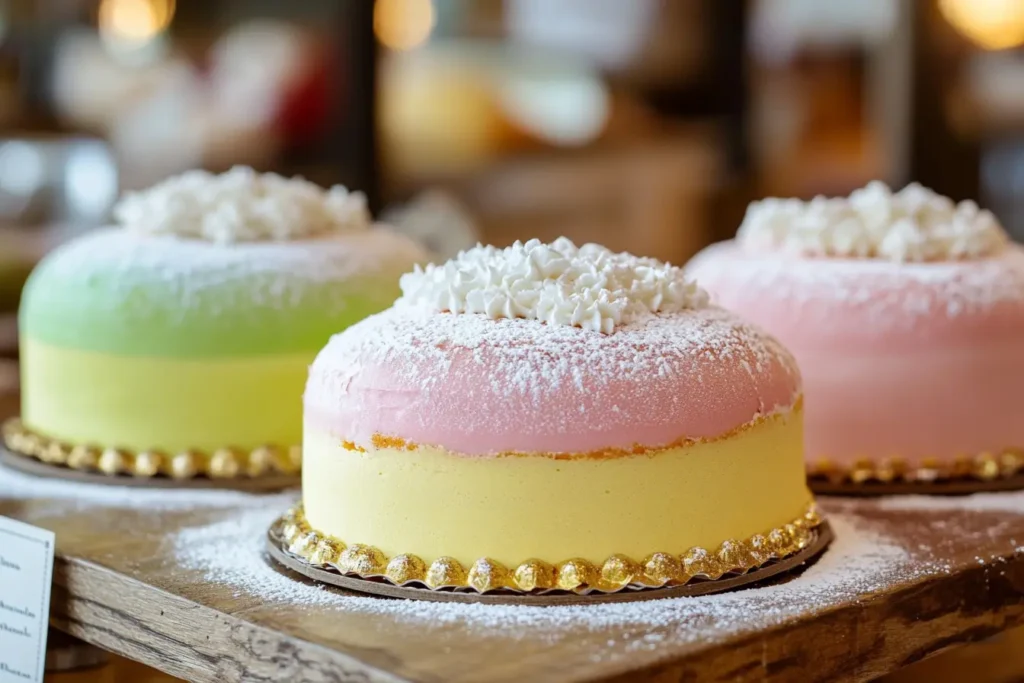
176, 343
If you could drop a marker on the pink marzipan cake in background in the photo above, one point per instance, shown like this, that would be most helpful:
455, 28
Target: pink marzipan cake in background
549, 416
905, 312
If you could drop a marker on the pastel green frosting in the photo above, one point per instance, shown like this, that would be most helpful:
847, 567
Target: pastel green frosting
118, 292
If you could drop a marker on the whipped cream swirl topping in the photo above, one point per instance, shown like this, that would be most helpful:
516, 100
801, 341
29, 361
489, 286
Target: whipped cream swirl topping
914, 224
558, 283
242, 206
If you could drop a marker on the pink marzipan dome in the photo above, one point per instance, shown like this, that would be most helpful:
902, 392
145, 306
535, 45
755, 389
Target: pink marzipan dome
919, 361
479, 386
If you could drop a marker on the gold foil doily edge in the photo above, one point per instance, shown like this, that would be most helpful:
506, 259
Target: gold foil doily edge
618, 572
223, 463
981, 467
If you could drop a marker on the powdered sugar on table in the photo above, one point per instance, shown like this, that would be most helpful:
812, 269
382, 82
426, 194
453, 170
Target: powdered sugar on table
207, 548
63, 496
859, 562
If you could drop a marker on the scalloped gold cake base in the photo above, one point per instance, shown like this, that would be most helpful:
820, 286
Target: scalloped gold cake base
262, 469
941, 487
36, 468
964, 475
812, 541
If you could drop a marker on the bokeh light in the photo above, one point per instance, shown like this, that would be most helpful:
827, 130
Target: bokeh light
134, 21
403, 24
992, 24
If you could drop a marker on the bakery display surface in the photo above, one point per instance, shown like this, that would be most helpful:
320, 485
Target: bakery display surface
291, 543
905, 313
179, 580
551, 418
175, 344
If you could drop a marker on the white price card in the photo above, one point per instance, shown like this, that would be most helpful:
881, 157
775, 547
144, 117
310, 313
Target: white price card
26, 576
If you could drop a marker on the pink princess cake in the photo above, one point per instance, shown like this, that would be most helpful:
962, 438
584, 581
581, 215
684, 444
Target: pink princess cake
551, 417
905, 312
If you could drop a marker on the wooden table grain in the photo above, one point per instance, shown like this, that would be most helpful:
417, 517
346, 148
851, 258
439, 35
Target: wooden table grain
118, 585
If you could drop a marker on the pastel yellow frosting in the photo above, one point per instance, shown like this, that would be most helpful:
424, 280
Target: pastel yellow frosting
170, 404
431, 503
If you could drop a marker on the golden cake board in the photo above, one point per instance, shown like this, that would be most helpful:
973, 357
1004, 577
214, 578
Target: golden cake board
37, 468
939, 487
821, 536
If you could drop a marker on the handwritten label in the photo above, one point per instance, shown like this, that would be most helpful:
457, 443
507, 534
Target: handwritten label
26, 575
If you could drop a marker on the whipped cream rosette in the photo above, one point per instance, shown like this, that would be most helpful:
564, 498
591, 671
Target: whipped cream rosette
912, 225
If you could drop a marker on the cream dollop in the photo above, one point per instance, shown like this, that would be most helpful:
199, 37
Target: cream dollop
558, 283
242, 206
914, 224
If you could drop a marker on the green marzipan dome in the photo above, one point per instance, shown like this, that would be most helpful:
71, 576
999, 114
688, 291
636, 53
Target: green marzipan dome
113, 291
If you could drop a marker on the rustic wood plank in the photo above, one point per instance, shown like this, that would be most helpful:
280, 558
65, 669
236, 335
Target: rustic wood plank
998, 660
186, 639
117, 585
888, 633
119, 670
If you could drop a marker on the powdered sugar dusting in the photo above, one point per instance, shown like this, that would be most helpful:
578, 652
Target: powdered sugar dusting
1012, 502
559, 283
540, 358
877, 288
859, 562
660, 376
186, 274
221, 553
914, 224
68, 496
242, 206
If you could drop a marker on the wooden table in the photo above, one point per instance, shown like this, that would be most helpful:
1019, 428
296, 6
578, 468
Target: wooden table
119, 584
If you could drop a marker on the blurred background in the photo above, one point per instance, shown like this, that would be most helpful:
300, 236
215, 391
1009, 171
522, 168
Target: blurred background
645, 125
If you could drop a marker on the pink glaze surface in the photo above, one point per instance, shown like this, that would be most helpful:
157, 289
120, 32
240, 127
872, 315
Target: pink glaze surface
912, 359
478, 386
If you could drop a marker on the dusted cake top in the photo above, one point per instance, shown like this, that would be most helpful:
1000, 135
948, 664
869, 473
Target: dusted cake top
859, 305
479, 386
589, 287
242, 206
117, 291
914, 224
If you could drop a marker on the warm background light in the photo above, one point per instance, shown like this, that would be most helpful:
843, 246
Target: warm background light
134, 21
992, 24
403, 24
